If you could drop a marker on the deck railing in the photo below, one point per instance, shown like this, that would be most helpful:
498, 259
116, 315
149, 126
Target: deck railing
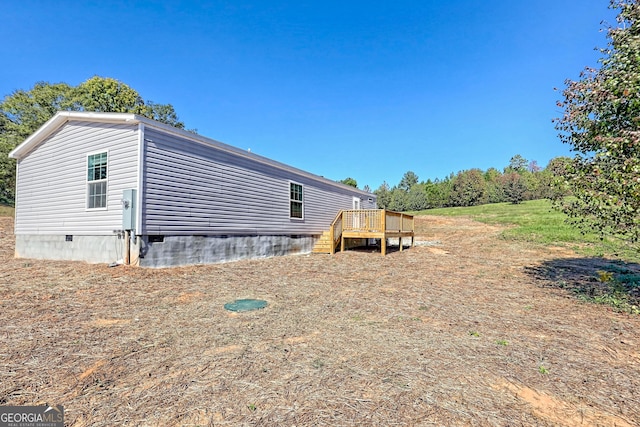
366, 220
372, 221
335, 231
376, 221
398, 221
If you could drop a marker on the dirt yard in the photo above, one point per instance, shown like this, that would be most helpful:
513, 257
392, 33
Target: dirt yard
464, 329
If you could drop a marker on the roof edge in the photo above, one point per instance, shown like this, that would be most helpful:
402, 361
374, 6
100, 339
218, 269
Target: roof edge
246, 154
60, 118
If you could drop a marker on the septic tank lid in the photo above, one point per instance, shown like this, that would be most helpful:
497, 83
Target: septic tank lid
245, 305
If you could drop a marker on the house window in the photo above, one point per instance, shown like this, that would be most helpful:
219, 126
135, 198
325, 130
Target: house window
295, 200
97, 181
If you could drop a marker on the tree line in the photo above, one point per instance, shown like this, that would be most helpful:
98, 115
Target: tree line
519, 181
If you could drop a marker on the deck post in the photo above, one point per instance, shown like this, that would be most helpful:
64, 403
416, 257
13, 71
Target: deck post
400, 241
383, 221
383, 241
332, 248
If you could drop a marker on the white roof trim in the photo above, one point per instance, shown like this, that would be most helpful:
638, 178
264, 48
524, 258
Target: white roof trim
62, 117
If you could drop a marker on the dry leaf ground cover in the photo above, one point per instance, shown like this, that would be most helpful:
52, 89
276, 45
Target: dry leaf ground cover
463, 330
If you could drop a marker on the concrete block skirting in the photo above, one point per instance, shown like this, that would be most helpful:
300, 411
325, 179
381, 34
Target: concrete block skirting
190, 250
171, 251
94, 249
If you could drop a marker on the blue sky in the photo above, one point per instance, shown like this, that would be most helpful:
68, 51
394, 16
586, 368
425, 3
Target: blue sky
368, 90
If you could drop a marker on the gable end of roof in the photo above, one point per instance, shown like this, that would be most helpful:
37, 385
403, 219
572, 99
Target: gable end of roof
59, 120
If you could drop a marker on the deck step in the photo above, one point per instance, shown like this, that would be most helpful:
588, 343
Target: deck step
323, 245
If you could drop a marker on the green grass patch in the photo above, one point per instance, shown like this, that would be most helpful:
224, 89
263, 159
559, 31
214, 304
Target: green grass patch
536, 221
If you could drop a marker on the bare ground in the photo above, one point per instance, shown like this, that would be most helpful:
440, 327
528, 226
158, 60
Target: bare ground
467, 329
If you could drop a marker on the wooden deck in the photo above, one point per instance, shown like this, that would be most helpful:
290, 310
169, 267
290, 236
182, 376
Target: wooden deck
366, 224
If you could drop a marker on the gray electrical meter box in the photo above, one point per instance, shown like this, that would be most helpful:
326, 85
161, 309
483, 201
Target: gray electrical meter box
129, 210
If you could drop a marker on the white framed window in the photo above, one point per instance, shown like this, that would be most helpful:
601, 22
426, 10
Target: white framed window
296, 201
97, 180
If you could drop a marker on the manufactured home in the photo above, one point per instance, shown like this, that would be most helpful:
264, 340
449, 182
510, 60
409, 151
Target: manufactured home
118, 187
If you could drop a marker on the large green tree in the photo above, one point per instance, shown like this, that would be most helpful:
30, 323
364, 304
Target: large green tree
468, 188
7, 166
495, 193
417, 198
517, 164
513, 187
350, 181
383, 194
601, 123
24, 111
409, 179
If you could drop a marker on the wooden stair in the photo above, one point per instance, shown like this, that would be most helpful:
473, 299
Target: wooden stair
323, 245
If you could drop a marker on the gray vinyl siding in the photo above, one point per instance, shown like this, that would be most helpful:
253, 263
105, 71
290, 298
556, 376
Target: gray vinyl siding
195, 188
51, 187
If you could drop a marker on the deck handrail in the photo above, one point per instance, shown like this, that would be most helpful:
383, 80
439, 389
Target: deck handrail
335, 231
398, 221
369, 221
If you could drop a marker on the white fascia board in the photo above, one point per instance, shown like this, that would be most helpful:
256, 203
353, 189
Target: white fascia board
61, 118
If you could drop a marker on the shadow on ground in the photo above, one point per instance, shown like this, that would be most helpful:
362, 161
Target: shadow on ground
373, 248
599, 280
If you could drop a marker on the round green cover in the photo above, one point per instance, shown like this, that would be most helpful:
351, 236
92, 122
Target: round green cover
245, 305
